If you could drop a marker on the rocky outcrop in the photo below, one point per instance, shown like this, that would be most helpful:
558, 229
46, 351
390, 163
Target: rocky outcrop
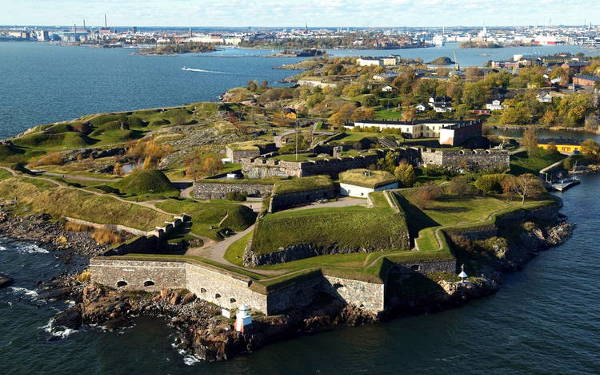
48, 233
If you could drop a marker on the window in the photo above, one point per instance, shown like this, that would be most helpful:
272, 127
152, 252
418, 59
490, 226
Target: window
232, 300
121, 283
202, 290
148, 283
217, 295
415, 267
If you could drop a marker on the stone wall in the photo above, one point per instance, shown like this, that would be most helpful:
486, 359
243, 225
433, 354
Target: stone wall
230, 290
138, 275
236, 155
284, 201
217, 190
368, 296
467, 159
268, 167
426, 267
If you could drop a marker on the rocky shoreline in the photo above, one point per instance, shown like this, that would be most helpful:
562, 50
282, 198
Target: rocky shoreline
202, 332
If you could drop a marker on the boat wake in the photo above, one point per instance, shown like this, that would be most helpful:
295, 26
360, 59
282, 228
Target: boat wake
202, 71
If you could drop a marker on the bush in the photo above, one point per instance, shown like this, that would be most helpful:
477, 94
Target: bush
236, 196
53, 158
490, 183
104, 236
459, 186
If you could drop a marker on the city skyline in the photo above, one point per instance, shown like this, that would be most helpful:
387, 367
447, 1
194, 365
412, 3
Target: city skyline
269, 13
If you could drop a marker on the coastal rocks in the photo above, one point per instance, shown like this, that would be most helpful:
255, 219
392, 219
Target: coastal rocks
49, 234
5, 280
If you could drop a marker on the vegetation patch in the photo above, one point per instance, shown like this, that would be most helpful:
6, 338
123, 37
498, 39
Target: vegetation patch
302, 184
367, 178
146, 182
212, 220
347, 229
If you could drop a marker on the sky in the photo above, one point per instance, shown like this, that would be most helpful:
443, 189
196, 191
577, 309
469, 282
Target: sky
289, 13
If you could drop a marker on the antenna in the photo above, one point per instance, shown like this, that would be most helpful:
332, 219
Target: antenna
105, 22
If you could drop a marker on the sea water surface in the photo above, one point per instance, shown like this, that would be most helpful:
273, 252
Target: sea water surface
544, 320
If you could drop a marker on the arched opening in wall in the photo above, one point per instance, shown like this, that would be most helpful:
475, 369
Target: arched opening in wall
217, 295
415, 267
148, 283
232, 300
121, 284
202, 290
337, 286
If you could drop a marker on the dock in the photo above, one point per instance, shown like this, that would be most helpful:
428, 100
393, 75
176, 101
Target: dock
565, 184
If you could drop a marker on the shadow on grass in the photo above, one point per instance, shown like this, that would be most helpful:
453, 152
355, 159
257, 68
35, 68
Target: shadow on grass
416, 219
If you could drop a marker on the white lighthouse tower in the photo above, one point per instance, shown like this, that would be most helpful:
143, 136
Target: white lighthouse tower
242, 318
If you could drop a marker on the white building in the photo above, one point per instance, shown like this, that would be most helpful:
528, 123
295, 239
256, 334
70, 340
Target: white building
360, 182
368, 61
425, 129
495, 105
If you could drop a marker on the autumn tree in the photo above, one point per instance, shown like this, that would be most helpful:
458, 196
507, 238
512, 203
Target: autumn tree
530, 141
526, 186
591, 149
203, 165
409, 114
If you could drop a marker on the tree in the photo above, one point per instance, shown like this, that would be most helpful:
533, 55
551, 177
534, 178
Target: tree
409, 114
363, 113
252, 86
405, 173
203, 166
530, 141
426, 194
490, 183
525, 186
459, 186
591, 149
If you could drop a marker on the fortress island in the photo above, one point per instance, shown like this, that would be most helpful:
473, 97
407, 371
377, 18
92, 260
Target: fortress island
279, 211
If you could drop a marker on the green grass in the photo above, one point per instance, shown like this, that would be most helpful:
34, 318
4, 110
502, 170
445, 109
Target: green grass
302, 184
292, 157
522, 163
207, 216
35, 195
388, 115
352, 229
367, 178
235, 252
146, 183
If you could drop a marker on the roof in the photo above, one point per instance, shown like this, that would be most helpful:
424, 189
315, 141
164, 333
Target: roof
367, 178
588, 77
417, 122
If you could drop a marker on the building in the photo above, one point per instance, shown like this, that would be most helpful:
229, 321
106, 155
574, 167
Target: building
361, 182
441, 104
415, 129
563, 146
586, 80
237, 151
315, 83
544, 97
495, 105
368, 61
457, 134
388, 61
386, 76
574, 66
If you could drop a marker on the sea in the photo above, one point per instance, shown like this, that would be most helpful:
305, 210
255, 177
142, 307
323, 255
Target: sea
544, 320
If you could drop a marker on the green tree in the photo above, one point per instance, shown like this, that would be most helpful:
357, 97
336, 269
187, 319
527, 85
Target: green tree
405, 173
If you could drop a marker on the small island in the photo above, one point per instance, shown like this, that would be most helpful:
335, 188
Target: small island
177, 49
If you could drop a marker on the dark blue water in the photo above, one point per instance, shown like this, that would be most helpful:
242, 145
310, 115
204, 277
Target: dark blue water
545, 320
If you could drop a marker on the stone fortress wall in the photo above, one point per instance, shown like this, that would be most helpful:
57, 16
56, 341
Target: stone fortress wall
467, 159
230, 291
284, 201
219, 190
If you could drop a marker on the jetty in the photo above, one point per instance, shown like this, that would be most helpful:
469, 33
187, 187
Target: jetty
565, 184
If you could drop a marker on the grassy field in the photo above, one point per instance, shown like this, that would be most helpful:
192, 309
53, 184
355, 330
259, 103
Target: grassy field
353, 228
35, 195
210, 219
302, 184
388, 115
522, 163
454, 212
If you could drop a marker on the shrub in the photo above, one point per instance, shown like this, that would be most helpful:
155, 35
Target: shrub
490, 183
84, 277
53, 158
76, 227
459, 186
235, 196
104, 236
427, 193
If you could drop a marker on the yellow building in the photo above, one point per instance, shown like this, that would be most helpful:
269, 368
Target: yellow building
563, 148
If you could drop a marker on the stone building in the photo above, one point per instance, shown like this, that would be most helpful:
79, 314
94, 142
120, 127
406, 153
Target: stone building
237, 151
474, 160
457, 134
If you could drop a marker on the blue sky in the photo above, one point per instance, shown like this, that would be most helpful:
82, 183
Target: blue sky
364, 13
